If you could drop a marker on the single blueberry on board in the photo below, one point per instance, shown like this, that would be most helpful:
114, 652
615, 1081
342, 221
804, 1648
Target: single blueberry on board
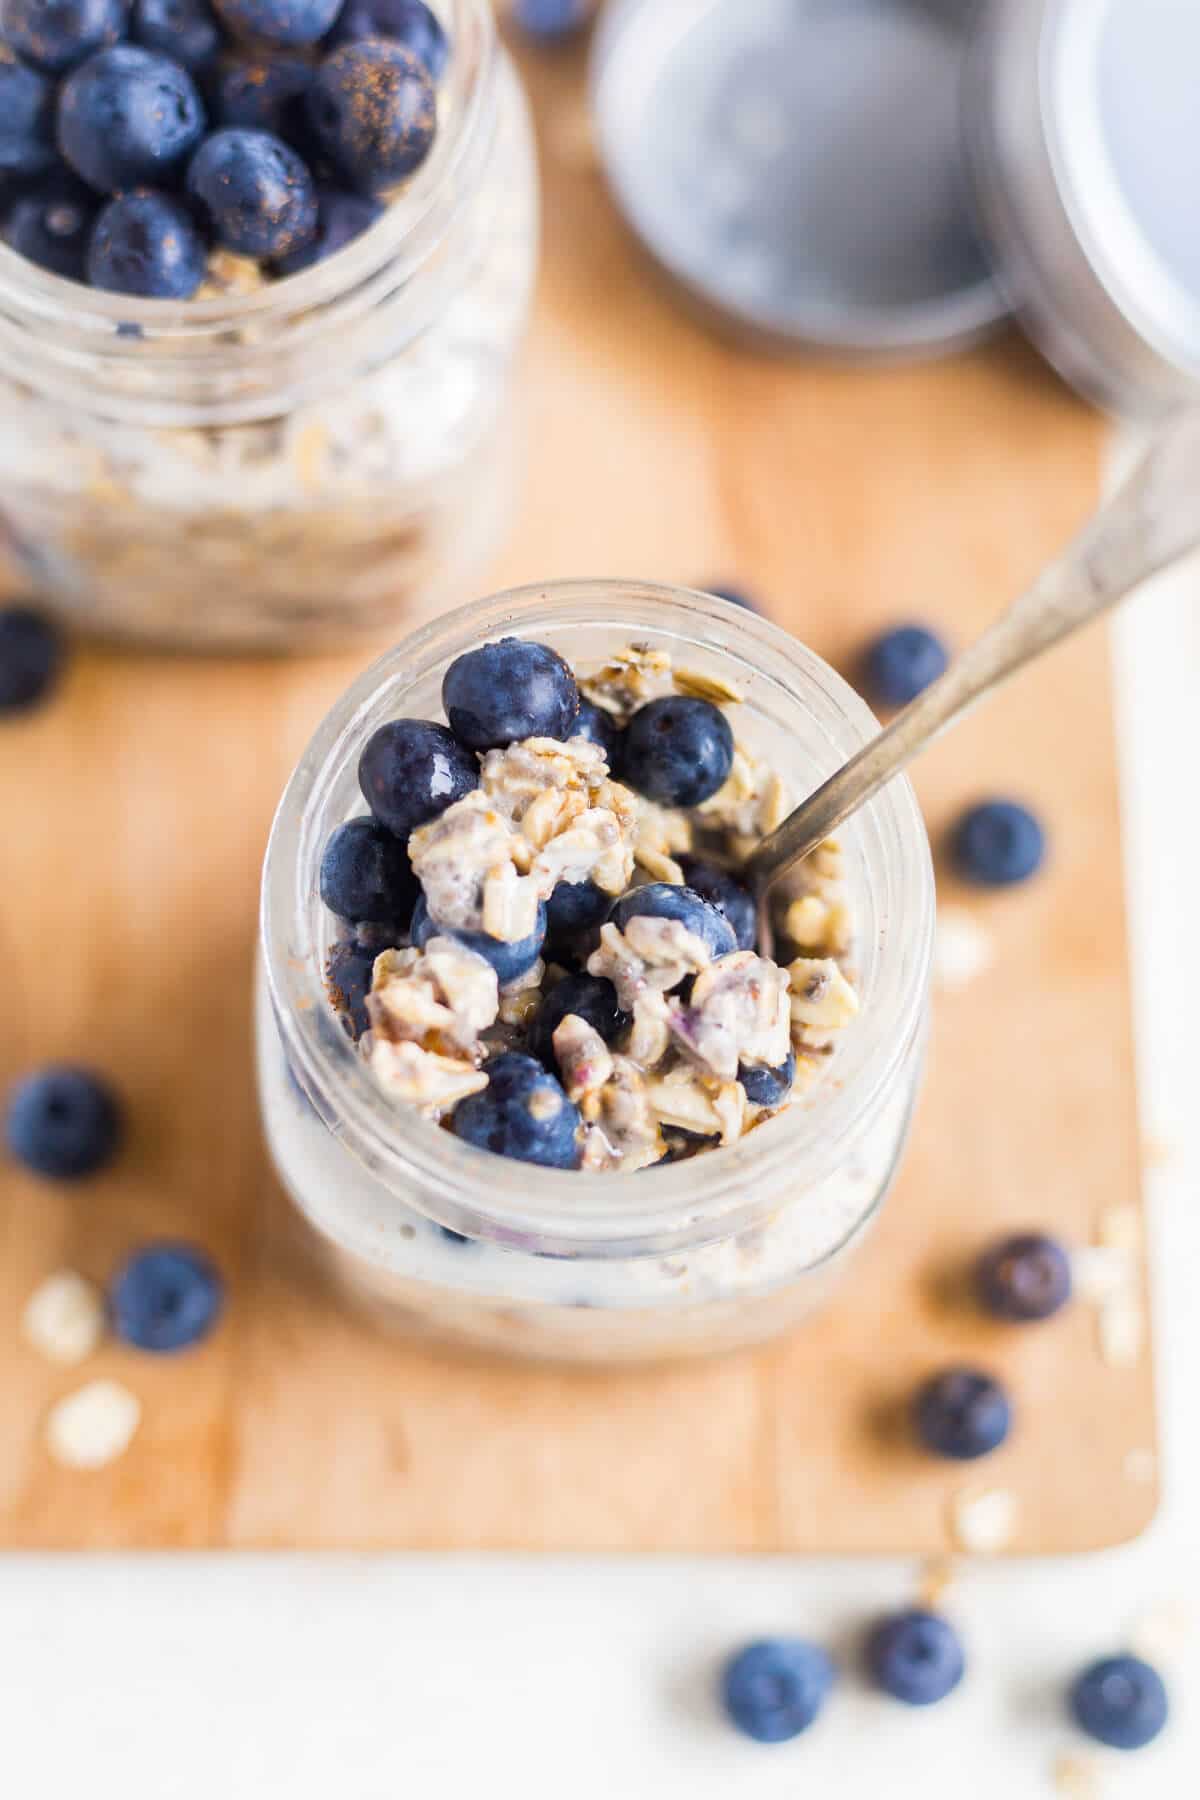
774, 1689
366, 877
1024, 1278
508, 959
677, 750
1120, 1701
591, 998
26, 118
54, 34
146, 243
373, 111
281, 23
768, 1087
962, 1414
551, 21
341, 217
411, 770
997, 844
31, 654
407, 22
50, 223
63, 1123
129, 117
599, 727
348, 975
522, 1113
663, 900
727, 894
575, 906
166, 1297
509, 690
915, 1657
256, 195
902, 663
265, 94
187, 30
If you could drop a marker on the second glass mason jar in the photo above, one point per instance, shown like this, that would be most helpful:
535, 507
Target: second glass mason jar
721, 1250
285, 467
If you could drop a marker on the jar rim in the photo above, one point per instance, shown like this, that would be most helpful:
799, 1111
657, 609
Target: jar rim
605, 1214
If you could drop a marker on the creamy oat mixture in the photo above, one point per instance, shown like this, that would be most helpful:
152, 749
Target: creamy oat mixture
548, 811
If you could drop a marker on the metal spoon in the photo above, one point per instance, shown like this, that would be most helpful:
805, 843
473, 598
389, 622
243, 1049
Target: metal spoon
1151, 522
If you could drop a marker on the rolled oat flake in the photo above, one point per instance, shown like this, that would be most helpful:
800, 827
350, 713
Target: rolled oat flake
895, 177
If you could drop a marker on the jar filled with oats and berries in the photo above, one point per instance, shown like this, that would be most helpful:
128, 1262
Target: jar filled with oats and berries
285, 463
736, 1122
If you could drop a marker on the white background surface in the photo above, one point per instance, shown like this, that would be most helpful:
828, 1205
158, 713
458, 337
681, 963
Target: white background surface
373, 1678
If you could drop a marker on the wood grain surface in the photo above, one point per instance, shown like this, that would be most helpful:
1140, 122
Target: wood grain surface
135, 809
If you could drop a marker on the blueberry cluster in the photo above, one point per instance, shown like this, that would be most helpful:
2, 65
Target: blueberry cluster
677, 751
136, 138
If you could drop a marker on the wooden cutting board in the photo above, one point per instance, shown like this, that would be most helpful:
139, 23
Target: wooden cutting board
135, 811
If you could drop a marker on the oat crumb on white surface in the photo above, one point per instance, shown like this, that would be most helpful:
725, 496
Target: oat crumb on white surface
963, 948
64, 1318
93, 1426
983, 1520
1077, 1777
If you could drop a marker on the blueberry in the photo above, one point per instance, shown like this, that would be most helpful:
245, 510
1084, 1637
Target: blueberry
165, 1297
26, 118
599, 727
1024, 1278
283, 23
661, 900
407, 22
962, 1414
773, 1690
373, 110
589, 997
510, 690
915, 1657
366, 877
146, 243
575, 906
523, 1113
341, 217
187, 30
128, 117
30, 658
1120, 1701
50, 223
265, 94
255, 192
726, 893
411, 770
551, 21
64, 1123
56, 33
768, 1087
997, 844
735, 596
348, 975
900, 664
677, 750
508, 960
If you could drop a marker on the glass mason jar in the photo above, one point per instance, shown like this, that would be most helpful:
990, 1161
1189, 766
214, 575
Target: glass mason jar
284, 467
724, 1249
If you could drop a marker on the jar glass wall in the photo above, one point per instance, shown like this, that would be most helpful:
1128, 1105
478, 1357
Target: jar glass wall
726, 1248
284, 467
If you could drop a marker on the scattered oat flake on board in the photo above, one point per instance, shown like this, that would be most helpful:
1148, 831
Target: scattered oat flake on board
983, 1521
1098, 1273
64, 1318
937, 1578
963, 949
1122, 1329
1077, 1778
93, 1426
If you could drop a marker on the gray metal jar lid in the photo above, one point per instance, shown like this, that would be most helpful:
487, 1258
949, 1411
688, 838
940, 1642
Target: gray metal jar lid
821, 173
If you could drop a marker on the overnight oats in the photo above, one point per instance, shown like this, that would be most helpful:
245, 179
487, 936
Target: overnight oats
527, 1067
265, 266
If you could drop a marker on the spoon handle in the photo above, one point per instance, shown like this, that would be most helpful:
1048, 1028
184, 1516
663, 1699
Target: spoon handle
1152, 521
